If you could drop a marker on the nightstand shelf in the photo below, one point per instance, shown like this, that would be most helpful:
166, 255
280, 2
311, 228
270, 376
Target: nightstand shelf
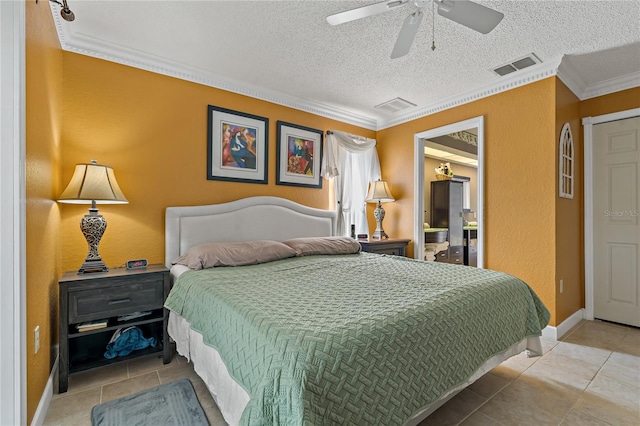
107, 296
114, 324
393, 246
88, 353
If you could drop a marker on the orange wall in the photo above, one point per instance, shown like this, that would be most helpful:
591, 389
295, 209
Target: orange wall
152, 130
43, 101
569, 212
615, 102
520, 180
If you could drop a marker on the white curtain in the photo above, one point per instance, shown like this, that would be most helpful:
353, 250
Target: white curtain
352, 161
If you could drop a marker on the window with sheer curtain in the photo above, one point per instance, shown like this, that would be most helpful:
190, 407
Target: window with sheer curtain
352, 162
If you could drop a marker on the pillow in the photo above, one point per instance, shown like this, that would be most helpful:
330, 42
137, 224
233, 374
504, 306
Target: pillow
210, 255
323, 245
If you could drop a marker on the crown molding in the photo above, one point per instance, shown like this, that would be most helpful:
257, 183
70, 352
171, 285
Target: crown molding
78, 43
570, 76
89, 46
612, 85
510, 81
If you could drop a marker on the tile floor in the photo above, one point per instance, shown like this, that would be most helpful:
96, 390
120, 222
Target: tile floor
590, 377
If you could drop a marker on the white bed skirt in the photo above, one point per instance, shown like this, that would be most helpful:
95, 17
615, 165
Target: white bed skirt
231, 398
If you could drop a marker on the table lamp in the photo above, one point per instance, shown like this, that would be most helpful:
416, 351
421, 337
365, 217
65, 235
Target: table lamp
93, 184
379, 193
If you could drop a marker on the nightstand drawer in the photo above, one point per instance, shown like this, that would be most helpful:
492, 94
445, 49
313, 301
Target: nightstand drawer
392, 251
86, 305
390, 246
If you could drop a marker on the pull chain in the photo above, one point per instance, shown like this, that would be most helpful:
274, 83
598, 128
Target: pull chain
433, 26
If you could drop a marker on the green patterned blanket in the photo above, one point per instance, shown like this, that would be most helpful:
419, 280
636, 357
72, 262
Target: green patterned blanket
354, 339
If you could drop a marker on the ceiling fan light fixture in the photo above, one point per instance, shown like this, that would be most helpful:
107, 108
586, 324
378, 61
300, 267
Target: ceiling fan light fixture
467, 13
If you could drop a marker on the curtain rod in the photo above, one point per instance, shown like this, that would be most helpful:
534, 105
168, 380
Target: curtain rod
361, 138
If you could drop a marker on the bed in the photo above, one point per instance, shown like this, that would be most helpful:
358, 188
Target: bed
318, 339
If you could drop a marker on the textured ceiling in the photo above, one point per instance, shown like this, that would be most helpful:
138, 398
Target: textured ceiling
287, 48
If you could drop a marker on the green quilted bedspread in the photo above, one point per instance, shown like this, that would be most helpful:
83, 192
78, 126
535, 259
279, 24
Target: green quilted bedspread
357, 339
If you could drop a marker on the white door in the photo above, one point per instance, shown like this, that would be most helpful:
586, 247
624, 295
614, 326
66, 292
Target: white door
616, 192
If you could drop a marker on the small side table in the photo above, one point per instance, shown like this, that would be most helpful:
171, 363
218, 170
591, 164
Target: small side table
111, 297
393, 246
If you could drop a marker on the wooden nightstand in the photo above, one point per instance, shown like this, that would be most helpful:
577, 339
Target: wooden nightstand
107, 296
394, 246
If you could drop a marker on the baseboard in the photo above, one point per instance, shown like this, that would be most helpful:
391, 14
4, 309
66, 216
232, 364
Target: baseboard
556, 333
45, 400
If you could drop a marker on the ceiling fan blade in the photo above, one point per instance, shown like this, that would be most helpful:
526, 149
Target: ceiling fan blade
363, 12
470, 14
407, 34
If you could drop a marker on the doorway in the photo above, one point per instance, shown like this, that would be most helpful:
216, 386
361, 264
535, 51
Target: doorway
612, 229
420, 140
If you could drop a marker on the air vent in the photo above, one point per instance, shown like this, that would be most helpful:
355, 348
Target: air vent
395, 105
505, 69
517, 65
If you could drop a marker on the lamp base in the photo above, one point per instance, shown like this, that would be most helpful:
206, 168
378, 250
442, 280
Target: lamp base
93, 226
379, 233
93, 266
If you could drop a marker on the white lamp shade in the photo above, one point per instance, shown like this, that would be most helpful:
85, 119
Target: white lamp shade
379, 191
93, 182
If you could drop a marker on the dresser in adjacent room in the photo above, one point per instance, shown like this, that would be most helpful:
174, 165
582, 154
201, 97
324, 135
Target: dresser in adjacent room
446, 212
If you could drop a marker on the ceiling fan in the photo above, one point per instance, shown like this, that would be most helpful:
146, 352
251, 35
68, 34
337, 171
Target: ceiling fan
464, 12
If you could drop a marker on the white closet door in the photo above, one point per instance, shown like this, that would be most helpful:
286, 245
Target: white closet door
616, 147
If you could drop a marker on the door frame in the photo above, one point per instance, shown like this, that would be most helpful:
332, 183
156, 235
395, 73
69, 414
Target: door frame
13, 406
588, 123
418, 194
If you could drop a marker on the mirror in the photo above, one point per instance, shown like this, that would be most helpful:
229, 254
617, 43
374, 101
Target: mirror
450, 231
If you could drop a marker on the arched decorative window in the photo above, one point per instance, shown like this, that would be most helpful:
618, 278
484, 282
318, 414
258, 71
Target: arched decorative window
566, 162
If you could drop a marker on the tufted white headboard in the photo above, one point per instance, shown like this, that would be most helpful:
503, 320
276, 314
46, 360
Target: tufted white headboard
248, 219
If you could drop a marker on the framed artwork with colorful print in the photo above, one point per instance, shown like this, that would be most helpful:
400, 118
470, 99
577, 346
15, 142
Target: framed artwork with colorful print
299, 155
237, 146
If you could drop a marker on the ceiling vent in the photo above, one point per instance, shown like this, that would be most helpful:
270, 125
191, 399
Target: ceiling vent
395, 105
517, 65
